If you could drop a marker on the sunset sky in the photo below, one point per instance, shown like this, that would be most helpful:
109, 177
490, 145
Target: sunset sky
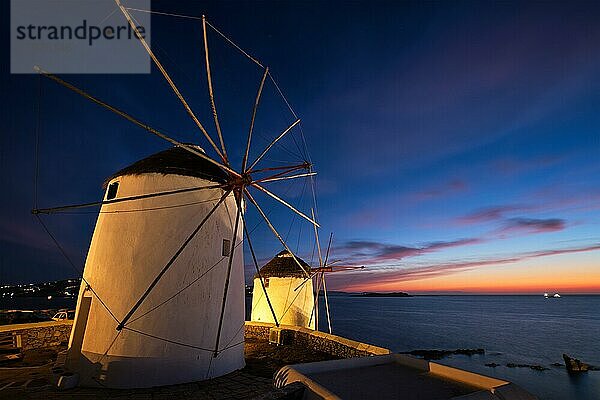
457, 144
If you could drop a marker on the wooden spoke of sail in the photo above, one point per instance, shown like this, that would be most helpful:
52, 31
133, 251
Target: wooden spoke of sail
122, 199
315, 310
328, 270
235, 45
290, 168
322, 264
260, 89
289, 128
328, 248
227, 278
312, 211
308, 278
264, 216
260, 278
134, 120
315, 271
169, 80
285, 203
283, 178
326, 301
170, 262
210, 91
281, 174
338, 268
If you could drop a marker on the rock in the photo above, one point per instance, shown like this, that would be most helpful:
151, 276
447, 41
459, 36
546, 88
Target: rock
469, 352
574, 365
538, 368
439, 354
530, 366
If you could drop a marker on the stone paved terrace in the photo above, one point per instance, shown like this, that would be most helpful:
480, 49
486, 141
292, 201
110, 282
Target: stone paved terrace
36, 375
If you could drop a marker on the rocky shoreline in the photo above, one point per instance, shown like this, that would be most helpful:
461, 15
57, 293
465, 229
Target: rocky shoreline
534, 367
572, 365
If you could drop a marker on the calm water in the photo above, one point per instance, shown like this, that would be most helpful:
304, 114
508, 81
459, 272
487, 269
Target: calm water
517, 329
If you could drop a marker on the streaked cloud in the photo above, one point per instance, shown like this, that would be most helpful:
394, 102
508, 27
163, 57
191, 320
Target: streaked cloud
371, 252
391, 274
492, 213
534, 225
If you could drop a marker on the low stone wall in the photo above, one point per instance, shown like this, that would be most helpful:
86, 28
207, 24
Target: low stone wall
319, 341
257, 330
39, 334
53, 333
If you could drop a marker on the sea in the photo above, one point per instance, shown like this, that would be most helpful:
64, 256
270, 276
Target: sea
511, 329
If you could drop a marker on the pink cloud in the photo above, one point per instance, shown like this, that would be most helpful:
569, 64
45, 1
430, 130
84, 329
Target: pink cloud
493, 213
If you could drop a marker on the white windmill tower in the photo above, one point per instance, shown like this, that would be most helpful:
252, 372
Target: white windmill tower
273, 289
162, 294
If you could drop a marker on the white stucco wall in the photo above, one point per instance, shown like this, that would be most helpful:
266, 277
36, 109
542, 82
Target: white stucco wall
289, 309
128, 249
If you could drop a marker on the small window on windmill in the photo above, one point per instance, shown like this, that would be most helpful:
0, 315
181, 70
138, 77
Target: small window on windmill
226, 248
111, 192
266, 282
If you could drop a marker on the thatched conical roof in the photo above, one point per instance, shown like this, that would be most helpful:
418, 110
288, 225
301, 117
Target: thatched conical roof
284, 266
174, 161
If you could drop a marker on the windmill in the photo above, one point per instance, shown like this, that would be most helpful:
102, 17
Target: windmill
141, 321
284, 294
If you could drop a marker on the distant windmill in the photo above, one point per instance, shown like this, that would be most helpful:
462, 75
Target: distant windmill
283, 294
162, 294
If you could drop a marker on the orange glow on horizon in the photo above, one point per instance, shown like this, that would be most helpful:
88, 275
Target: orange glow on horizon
528, 277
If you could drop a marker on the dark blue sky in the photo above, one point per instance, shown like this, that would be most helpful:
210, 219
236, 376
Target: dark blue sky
453, 140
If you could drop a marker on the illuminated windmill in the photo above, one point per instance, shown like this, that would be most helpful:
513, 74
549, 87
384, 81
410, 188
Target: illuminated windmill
272, 298
162, 294
273, 286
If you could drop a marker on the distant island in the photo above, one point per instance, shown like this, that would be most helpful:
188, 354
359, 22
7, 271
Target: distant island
377, 294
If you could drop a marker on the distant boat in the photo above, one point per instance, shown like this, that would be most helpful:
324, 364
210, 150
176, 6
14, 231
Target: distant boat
546, 295
556, 295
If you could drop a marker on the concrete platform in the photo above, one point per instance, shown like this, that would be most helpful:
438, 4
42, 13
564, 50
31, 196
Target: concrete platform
395, 376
